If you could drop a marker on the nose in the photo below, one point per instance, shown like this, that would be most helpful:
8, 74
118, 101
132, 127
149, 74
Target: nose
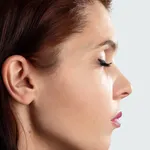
121, 88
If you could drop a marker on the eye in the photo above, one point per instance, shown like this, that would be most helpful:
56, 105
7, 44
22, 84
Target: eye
103, 63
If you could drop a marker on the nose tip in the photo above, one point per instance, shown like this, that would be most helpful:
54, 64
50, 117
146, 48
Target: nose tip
126, 91
122, 91
130, 88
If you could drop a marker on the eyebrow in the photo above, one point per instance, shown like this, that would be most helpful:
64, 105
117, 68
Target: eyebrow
110, 43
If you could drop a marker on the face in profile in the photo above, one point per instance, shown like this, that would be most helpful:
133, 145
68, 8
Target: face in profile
78, 103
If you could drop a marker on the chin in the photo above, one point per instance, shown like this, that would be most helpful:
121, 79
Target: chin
103, 144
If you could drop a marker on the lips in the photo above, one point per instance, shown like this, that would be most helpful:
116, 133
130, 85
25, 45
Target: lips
115, 120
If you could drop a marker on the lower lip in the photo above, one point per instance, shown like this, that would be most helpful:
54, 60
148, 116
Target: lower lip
115, 121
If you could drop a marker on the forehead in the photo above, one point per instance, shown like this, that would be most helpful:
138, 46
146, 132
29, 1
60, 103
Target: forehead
97, 30
99, 26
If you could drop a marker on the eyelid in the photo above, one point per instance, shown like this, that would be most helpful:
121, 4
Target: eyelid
110, 54
111, 51
104, 63
105, 47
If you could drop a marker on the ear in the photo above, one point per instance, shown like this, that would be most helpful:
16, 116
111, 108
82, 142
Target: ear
20, 79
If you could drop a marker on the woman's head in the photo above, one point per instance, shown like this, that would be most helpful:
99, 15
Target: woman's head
55, 84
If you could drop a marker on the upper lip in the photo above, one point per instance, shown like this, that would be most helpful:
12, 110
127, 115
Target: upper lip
118, 115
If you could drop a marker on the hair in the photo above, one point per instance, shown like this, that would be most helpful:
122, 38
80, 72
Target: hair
34, 29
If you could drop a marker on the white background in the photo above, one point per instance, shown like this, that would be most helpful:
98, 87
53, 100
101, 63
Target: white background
131, 19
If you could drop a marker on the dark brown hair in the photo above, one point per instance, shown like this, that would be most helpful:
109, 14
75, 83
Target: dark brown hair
28, 28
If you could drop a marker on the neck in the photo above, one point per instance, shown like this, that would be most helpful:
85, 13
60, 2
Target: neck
30, 137
28, 140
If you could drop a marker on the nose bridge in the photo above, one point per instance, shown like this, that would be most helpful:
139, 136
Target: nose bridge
122, 87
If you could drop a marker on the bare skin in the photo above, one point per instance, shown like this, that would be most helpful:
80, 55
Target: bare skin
73, 107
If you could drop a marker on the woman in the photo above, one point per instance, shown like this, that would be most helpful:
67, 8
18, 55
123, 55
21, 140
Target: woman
59, 88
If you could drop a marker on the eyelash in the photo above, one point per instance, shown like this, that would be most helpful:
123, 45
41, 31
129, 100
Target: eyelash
103, 63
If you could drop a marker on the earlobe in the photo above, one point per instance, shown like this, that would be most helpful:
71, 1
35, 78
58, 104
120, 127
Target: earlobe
18, 78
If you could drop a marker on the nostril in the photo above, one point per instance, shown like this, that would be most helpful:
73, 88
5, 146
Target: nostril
125, 94
121, 90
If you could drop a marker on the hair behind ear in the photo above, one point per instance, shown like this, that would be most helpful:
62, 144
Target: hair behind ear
8, 126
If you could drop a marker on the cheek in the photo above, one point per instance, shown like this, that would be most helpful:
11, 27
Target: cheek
89, 97
77, 105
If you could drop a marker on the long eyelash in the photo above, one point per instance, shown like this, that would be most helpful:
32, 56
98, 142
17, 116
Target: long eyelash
103, 63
